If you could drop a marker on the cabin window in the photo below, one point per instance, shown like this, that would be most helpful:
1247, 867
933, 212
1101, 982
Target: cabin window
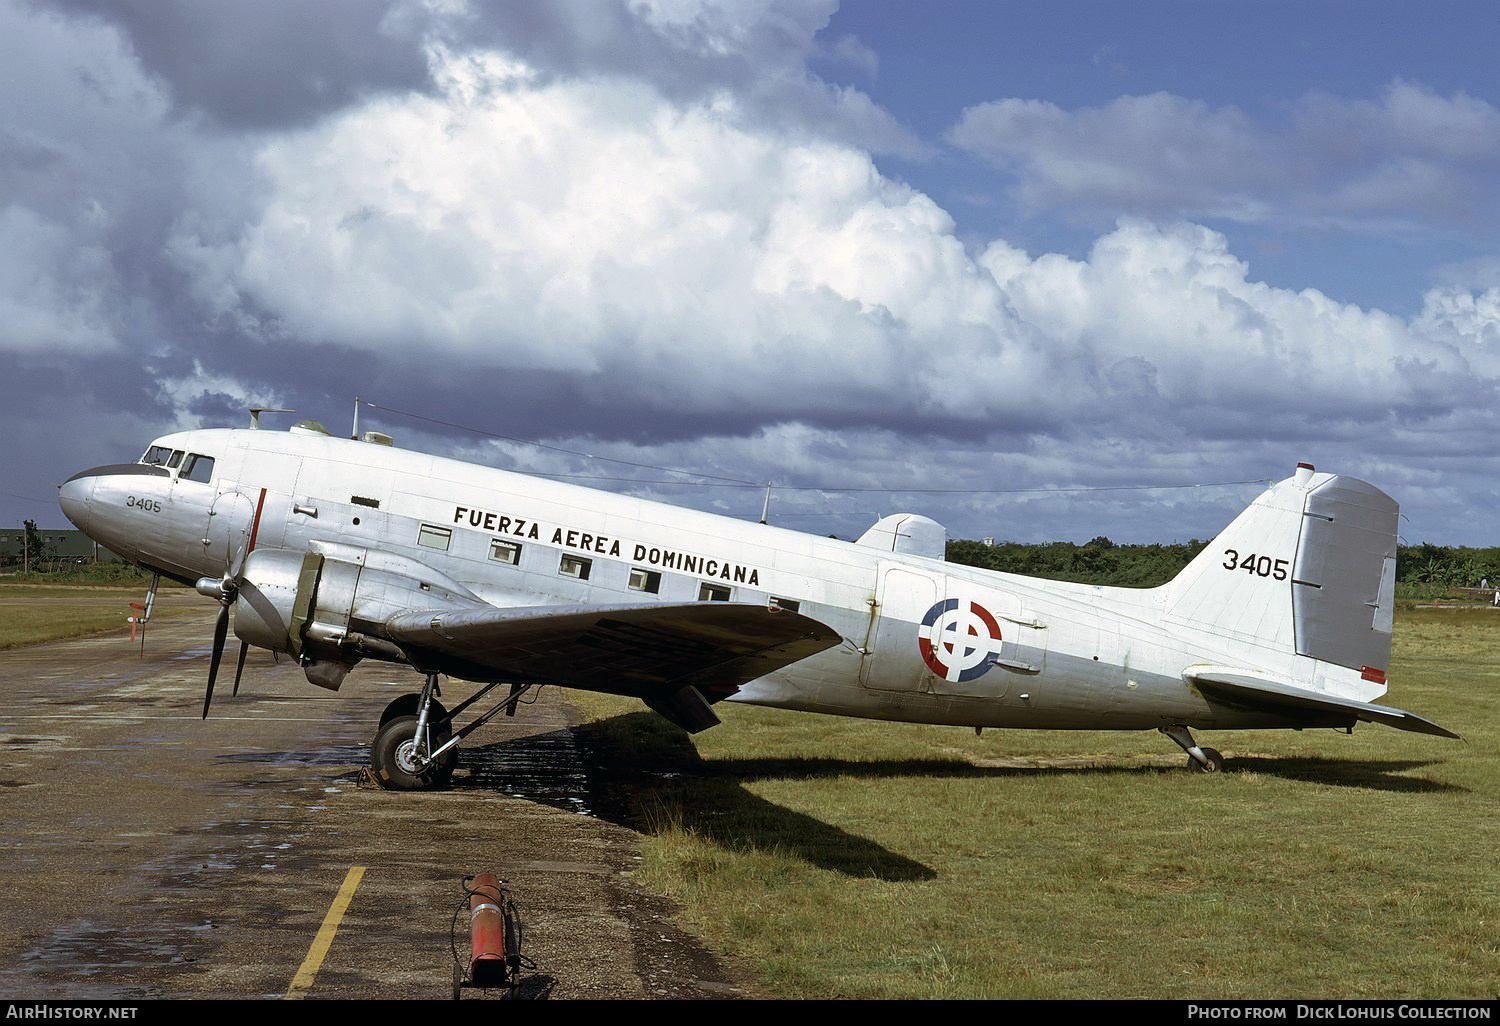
713, 593
156, 456
575, 566
645, 580
175, 459
434, 537
198, 468
790, 605
505, 552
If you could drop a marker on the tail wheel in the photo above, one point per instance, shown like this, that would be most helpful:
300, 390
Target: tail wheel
393, 757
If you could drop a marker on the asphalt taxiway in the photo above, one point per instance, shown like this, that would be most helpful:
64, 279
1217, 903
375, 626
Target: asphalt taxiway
150, 854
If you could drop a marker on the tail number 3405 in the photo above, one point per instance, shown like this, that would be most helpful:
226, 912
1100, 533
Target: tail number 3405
1260, 566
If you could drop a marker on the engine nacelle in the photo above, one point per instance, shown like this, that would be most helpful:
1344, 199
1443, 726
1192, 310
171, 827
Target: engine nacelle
327, 606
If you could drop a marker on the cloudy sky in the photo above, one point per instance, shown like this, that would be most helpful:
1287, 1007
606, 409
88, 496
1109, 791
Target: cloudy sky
1000, 263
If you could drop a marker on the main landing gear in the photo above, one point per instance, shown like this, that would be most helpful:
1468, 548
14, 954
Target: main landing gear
416, 747
1200, 760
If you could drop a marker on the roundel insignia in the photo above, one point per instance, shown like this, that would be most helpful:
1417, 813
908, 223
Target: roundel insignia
958, 639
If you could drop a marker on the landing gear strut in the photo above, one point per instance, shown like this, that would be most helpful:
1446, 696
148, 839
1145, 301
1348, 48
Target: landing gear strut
1200, 760
416, 748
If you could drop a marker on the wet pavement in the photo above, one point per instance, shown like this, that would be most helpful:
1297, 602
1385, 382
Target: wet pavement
150, 854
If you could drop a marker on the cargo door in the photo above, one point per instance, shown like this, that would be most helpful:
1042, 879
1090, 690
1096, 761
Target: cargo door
892, 660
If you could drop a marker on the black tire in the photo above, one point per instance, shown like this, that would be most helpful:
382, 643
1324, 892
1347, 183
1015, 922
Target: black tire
1215, 762
390, 758
409, 705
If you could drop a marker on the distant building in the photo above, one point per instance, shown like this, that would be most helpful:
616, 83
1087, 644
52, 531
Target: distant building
69, 545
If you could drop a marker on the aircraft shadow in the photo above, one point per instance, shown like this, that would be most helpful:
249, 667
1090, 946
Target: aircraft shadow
638, 772
1369, 774
1381, 775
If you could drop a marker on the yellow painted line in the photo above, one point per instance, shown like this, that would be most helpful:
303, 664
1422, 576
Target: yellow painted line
303, 981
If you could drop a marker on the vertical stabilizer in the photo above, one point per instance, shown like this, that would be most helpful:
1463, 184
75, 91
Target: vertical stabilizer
1239, 588
1308, 569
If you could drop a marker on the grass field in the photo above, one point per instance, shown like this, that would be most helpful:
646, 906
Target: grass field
34, 613
848, 858
845, 858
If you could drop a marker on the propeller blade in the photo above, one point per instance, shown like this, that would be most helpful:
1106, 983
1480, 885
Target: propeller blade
244, 648
233, 570
221, 630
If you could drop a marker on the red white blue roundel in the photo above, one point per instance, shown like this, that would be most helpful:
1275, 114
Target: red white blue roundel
958, 639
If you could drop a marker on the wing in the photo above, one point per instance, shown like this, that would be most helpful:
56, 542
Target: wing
1248, 692
679, 659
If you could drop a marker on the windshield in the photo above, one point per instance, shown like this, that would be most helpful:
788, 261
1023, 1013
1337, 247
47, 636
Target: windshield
190, 465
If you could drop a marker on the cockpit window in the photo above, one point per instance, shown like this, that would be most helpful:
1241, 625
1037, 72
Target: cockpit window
198, 468
189, 466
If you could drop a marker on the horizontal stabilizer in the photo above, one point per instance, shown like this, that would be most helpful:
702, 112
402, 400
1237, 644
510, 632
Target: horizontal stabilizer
1246, 691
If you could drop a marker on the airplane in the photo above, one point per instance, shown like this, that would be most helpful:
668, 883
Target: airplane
334, 550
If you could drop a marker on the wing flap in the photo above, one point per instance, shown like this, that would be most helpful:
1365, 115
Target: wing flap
1248, 691
652, 652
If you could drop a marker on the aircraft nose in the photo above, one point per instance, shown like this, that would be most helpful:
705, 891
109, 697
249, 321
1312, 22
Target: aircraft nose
105, 502
73, 496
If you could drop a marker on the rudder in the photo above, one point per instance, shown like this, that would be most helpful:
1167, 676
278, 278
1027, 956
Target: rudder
1344, 585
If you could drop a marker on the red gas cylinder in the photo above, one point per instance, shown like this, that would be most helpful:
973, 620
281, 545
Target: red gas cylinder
488, 966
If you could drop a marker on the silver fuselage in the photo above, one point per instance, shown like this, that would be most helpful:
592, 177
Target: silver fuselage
1043, 654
